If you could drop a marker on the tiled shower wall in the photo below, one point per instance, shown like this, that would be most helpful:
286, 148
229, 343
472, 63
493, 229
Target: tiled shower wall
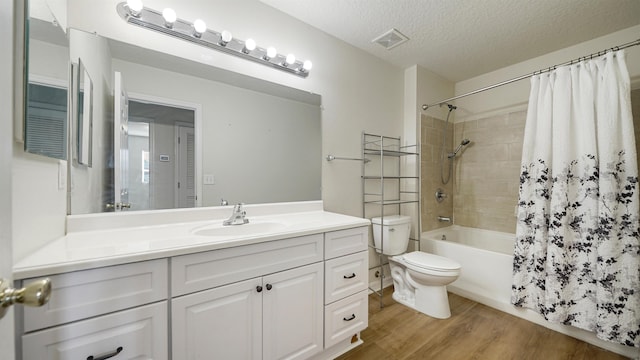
483, 192
431, 133
488, 172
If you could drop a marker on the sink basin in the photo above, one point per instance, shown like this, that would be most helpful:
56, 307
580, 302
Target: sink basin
251, 228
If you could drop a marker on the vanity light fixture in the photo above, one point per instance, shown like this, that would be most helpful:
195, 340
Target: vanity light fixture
271, 53
167, 22
306, 66
169, 16
199, 27
289, 60
135, 7
249, 46
225, 37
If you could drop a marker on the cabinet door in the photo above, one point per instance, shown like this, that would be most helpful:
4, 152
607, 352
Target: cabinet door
221, 323
139, 333
293, 313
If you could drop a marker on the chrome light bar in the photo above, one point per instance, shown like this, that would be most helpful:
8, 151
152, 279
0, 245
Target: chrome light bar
221, 41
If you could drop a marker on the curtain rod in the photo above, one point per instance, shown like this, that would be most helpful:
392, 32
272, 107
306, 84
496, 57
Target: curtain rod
571, 62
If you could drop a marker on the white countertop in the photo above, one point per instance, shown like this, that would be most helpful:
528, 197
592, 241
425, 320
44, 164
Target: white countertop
105, 245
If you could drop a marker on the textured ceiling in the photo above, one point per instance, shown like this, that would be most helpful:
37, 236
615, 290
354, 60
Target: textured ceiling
460, 39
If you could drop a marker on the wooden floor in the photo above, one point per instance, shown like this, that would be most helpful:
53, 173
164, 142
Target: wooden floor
474, 331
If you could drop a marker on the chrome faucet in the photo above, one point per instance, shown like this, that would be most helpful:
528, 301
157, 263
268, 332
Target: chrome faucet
237, 217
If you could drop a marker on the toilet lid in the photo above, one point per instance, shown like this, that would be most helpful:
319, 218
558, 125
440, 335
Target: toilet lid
430, 261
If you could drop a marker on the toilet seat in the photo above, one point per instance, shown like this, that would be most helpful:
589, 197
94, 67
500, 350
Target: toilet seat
430, 262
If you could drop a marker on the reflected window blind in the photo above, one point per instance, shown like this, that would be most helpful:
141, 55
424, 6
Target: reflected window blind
46, 121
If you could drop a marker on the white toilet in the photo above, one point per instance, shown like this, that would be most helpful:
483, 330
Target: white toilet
419, 278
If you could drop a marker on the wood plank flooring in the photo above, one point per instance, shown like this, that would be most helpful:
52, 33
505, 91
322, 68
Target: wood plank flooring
474, 331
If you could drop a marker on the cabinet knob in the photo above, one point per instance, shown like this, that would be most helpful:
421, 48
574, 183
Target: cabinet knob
259, 288
36, 293
350, 276
269, 286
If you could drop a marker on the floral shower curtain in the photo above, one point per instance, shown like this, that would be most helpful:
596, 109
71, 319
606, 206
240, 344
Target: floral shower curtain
577, 252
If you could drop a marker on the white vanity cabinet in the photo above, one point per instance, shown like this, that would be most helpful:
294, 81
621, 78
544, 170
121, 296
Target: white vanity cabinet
278, 316
275, 314
301, 297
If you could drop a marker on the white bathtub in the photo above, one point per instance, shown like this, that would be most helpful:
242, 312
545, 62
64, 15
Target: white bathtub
486, 258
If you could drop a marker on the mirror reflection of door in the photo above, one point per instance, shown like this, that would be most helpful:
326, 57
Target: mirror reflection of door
161, 156
139, 167
120, 146
185, 166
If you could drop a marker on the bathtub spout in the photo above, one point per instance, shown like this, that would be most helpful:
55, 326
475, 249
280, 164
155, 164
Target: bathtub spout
444, 219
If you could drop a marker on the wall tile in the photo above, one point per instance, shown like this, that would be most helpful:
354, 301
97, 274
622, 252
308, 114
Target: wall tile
488, 171
430, 171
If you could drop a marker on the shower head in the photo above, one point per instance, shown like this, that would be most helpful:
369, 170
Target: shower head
464, 142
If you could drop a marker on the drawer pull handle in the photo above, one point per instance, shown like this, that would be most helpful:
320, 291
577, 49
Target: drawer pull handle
353, 316
259, 288
106, 356
269, 286
350, 276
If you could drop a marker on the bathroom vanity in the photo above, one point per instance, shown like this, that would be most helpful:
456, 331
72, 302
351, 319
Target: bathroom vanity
292, 283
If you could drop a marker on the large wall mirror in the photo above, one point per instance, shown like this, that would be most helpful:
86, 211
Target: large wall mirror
168, 132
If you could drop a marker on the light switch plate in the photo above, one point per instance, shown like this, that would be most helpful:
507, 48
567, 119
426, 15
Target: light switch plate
209, 179
62, 175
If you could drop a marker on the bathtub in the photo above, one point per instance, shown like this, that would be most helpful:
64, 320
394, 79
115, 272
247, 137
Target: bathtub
486, 257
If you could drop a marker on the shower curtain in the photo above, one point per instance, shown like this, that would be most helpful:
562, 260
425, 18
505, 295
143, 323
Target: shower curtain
577, 252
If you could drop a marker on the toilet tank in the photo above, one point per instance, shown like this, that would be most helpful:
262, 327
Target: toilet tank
393, 231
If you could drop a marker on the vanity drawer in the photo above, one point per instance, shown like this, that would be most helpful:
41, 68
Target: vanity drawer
195, 272
141, 333
344, 242
82, 294
345, 317
345, 276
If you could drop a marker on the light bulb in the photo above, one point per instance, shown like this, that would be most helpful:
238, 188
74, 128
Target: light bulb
290, 59
307, 65
135, 6
271, 52
169, 16
200, 27
249, 46
225, 37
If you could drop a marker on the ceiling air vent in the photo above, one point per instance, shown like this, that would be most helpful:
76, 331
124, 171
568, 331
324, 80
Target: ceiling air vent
391, 39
